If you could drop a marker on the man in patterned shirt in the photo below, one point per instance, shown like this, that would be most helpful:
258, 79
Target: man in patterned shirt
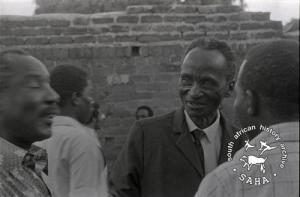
267, 97
27, 106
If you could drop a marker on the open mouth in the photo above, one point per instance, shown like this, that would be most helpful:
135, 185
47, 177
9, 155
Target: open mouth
48, 115
195, 104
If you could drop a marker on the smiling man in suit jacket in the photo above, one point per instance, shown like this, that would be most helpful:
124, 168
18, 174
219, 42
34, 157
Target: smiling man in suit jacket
168, 156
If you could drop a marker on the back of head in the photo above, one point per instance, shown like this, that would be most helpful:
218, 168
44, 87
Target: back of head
272, 71
66, 80
150, 112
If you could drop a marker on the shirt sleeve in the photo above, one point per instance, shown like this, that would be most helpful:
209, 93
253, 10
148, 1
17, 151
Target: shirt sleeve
87, 168
127, 171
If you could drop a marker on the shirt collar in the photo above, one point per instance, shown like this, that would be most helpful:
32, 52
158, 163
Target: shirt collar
66, 121
10, 154
210, 131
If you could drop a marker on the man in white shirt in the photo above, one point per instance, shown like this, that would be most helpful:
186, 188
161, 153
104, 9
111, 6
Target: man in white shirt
267, 98
76, 163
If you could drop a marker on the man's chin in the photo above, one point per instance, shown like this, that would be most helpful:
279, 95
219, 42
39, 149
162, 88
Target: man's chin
44, 133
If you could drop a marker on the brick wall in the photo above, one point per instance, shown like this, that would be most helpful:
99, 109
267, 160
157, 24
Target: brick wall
133, 56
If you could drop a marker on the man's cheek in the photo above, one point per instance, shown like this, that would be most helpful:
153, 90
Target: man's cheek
215, 97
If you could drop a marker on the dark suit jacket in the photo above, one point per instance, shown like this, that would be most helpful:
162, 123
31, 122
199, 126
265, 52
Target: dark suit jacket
159, 158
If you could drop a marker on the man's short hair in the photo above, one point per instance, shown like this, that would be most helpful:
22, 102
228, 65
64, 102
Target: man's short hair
221, 46
272, 71
145, 107
66, 80
5, 65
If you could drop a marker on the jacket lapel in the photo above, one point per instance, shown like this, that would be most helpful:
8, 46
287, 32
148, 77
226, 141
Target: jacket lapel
184, 141
227, 136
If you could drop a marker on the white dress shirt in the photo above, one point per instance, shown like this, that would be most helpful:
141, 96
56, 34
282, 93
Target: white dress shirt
76, 164
211, 143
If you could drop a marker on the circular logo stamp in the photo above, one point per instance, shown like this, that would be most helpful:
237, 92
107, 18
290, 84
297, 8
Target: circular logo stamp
256, 155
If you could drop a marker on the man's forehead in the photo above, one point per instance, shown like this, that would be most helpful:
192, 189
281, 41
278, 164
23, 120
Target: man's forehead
203, 58
28, 64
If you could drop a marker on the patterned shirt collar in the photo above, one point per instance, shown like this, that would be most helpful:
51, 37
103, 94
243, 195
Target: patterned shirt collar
17, 155
14, 153
210, 131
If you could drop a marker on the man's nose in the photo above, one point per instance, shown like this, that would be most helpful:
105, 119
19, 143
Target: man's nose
196, 90
52, 96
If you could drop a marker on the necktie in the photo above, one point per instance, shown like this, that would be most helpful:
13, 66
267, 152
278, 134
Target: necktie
198, 134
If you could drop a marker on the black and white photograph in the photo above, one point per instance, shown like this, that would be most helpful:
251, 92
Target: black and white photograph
149, 98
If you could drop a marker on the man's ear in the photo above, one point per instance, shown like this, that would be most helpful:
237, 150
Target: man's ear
75, 99
230, 88
251, 103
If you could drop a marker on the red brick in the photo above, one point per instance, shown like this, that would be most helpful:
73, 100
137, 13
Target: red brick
152, 86
123, 51
43, 53
151, 19
217, 18
227, 27
75, 30
242, 16
60, 40
127, 19
185, 28
185, 9
74, 53
166, 67
228, 9
239, 36
139, 9
161, 9
81, 21
173, 18
60, 53
84, 39
100, 52
103, 39
260, 16
119, 28
49, 31
59, 23
207, 9
36, 40
103, 20
29, 31
98, 30
163, 28
169, 37
267, 34
250, 26
125, 38
11, 41
275, 25
140, 78
148, 38
143, 95
35, 22
194, 19
140, 28
192, 35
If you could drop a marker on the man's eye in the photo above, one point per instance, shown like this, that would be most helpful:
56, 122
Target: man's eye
209, 83
33, 84
186, 81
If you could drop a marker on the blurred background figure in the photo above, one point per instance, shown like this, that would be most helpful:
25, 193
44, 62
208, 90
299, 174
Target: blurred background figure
76, 163
143, 112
